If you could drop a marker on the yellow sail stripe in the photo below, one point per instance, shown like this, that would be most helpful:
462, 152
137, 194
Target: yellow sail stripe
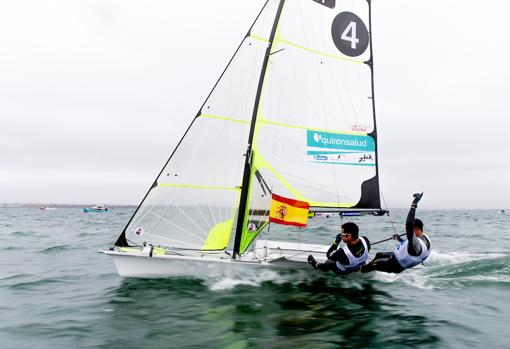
191, 186
218, 117
259, 38
260, 162
263, 120
341, 58
219, 235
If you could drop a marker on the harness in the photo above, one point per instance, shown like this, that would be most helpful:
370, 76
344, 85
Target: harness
354, 262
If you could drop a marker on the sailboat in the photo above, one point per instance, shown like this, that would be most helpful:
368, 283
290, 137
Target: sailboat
97, 208
292, 115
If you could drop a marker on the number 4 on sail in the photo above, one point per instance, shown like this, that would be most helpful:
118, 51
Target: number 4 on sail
288, 132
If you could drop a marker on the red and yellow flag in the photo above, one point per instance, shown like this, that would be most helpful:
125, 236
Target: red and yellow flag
288, 211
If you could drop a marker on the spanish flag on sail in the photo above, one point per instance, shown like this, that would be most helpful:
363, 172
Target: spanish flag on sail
288, 211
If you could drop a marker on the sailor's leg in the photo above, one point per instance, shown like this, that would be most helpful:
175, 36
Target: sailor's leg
387, 265
379, 262
329, 265
383, 255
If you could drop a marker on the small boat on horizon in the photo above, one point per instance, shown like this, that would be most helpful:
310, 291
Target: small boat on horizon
96, 208
46, 208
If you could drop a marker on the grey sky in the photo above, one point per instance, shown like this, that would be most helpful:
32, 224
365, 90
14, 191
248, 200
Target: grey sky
94, 95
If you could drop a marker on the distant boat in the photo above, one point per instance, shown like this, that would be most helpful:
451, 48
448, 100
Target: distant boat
96, 208
502, 211
46, 208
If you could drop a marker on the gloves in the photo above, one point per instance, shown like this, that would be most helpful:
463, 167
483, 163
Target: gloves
338, 239
417, 198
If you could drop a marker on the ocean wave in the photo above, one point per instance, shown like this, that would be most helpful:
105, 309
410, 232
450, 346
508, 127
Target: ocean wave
29, 285
15, 276
57, 248
22, 233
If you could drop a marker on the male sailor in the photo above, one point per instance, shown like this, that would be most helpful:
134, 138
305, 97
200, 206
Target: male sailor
408, 253
350, 257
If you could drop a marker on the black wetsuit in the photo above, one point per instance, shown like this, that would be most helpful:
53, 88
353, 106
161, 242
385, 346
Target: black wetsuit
386, 261
339, 255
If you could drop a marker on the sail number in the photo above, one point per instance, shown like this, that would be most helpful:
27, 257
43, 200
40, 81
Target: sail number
350, 34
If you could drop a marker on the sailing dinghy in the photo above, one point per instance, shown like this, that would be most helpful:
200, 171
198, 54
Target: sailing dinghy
292, 116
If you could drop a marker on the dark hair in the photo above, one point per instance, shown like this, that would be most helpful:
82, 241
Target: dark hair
351, 228
418, 224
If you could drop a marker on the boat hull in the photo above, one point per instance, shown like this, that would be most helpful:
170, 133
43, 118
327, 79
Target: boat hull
181, 266
85, 209
275, 256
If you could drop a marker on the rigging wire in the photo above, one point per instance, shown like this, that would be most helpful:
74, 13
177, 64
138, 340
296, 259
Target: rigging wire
389, 216
392, 225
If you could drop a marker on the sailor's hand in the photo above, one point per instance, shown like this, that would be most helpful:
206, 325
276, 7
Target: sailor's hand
338, 239
395, 237
417, 198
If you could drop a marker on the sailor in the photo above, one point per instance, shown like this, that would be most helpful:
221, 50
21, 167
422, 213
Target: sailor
408, 253
350, 257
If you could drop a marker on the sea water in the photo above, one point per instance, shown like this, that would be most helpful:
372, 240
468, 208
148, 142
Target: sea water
56, 291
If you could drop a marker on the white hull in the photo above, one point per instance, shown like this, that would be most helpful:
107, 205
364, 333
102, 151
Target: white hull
266, 255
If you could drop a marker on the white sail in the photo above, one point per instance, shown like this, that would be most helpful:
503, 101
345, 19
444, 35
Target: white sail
194, 200
315, 135
316, 114
292, 114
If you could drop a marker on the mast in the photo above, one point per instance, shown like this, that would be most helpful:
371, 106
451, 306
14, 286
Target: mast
371, 65
248, 156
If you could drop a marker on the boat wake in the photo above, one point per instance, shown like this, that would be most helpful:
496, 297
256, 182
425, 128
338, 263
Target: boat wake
454, 269
248, 279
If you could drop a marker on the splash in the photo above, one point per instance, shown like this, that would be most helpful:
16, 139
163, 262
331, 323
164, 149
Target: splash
248, 279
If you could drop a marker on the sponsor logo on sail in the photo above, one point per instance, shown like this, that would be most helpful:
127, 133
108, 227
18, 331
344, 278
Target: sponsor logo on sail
359, 128
319, 139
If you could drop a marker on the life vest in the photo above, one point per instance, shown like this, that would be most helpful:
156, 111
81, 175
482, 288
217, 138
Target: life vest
354, 262
405, 259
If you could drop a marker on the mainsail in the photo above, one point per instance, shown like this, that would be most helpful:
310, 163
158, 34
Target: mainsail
292, 114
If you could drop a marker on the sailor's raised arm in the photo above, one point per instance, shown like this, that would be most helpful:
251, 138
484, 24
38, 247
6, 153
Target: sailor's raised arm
413, 246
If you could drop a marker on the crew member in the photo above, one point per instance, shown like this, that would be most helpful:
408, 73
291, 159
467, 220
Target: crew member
350, 257
408, 253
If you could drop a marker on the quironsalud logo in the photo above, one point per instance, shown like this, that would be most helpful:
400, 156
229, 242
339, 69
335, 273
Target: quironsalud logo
319, 139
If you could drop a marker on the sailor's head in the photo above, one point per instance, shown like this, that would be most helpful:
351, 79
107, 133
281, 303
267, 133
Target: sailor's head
418, 227
349, 231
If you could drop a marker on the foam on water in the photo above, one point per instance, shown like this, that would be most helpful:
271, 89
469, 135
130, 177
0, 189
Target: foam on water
438, 257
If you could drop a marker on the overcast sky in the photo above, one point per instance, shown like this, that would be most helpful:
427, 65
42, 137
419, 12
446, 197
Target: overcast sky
94, 95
